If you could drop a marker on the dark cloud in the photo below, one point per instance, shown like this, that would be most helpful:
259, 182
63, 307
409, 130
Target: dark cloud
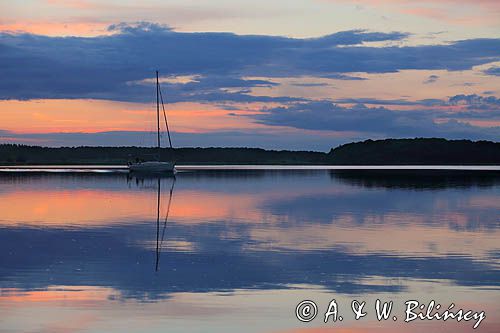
375, 101
356, 37
328, 116
431, 79
139, 28
305, 84
476, 106
474, 100
431, 102
103, 67
492, 71
216, 89
338, 76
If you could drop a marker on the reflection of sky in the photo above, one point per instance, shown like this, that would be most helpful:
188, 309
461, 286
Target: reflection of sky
232, 240
268, 74
97, 310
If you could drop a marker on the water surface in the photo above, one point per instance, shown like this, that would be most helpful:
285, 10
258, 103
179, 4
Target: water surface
237, 250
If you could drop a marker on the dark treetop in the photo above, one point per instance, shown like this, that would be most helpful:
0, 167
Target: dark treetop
391, 151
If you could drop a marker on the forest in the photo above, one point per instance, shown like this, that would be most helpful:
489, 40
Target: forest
418, 151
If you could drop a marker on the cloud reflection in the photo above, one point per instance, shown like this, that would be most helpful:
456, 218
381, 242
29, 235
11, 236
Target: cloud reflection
262, 230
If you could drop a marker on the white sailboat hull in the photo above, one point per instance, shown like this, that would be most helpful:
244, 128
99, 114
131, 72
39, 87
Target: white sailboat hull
152, 167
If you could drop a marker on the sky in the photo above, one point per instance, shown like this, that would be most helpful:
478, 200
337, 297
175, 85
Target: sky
295, 74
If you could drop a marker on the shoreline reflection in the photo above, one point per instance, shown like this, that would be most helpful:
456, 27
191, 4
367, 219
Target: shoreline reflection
417, 180
104, 239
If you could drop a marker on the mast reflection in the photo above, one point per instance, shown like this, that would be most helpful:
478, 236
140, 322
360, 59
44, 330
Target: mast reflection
159, 240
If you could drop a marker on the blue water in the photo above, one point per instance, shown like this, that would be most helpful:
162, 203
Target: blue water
230, 250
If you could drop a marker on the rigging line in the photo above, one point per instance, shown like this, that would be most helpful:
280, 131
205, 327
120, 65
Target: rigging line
158, 226
159, 247
165, 117
168, 212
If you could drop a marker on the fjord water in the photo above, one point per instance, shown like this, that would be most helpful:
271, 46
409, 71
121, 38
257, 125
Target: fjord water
93, 252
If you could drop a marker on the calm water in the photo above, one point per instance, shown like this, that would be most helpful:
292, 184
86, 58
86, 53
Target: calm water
93, 252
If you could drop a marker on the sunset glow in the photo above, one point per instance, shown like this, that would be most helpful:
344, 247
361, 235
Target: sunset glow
438, 62
222, 166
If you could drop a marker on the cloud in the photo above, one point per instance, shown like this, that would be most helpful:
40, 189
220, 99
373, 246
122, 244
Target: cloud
311, 125
201, 270
475, 101
355, 37
372, 121
312, 84
431, 79
474, 107
492, 71
138, 28
103, 67
337, 76
215, 88
375, 101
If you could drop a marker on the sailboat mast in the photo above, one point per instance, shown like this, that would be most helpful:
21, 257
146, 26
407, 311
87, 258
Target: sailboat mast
158, 113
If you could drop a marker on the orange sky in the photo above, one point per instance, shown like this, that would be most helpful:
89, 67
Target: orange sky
425, 23
84, 115
87, 115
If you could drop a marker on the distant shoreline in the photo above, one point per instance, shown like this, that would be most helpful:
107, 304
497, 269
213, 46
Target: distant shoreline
110, 168
390, 152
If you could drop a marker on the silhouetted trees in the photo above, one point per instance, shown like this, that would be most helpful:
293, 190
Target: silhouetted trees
431, 151
369, 152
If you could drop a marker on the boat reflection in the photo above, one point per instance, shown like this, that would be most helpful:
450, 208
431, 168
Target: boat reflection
159, 240
240, 244
224, 234
143, 181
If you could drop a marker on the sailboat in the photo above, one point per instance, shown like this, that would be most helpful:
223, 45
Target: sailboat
156, 166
